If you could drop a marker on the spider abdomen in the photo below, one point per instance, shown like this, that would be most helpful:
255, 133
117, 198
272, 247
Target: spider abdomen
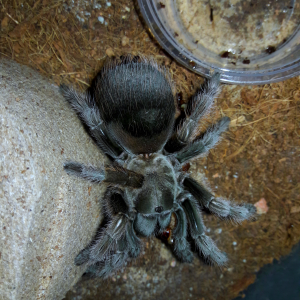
136, 102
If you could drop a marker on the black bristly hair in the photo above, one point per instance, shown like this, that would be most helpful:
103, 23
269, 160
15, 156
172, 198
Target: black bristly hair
130, 113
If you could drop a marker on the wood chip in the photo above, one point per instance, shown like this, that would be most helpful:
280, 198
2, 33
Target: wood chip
237, 121
295, 209
125, 41
109, 52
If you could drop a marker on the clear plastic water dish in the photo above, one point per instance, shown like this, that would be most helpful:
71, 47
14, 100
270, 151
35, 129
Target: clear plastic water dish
247, 41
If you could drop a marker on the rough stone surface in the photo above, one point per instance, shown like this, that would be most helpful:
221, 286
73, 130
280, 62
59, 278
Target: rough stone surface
46, 216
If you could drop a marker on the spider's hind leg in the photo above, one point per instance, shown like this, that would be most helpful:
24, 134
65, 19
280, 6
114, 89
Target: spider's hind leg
84, 105
199, 106
207, 141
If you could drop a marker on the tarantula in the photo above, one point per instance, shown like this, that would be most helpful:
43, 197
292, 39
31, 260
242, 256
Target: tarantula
130, 113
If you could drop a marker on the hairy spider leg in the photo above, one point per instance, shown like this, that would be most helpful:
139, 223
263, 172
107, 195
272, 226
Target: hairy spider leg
181, 245
117, 243
111, 174
221, 207
116, 261
89, 114
208, 140
198, 107
205, 244
128, 246
90, 173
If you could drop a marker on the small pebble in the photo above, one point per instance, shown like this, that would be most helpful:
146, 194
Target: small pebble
108, 4
101, 19
125, 41
218, 231
244, 260
234, 243
173, 263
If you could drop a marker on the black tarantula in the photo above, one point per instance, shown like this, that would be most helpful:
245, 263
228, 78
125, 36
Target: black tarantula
130, 113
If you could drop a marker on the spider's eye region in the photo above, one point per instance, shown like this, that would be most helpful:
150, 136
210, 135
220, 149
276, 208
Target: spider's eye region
159, 209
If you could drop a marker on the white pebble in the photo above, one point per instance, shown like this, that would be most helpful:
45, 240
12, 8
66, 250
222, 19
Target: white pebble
108, 4
234, 243
101, 19
218, 231
244, 260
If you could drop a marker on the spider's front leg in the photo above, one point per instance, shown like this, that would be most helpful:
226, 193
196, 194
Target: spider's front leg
110, 252
221, 207
118, 241
181, 246
205, 244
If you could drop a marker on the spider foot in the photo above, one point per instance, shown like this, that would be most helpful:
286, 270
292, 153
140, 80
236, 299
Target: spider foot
236, 212
182, 250
210, 251
82, 257
110, 265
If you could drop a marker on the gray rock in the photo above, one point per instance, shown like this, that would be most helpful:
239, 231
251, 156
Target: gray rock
46, 216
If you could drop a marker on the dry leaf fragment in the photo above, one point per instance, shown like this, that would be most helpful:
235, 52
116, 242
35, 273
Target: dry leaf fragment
4, 22
261, 206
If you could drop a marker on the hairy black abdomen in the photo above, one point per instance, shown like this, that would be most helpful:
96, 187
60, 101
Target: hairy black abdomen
137, 104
